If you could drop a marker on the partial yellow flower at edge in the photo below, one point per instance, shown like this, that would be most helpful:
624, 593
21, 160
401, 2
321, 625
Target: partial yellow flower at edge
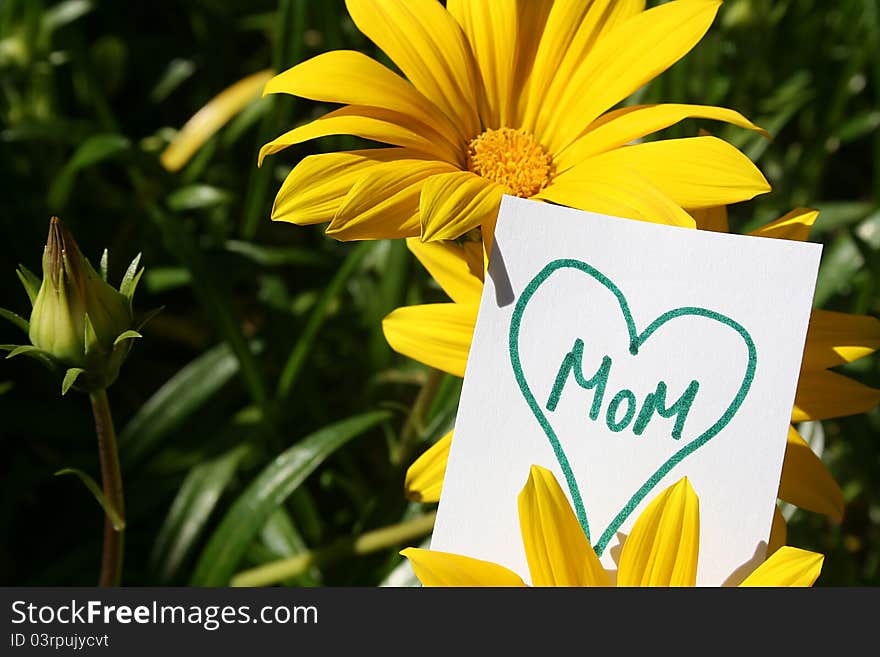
424, 478
806, 482
506, 98
216, 113
661, 550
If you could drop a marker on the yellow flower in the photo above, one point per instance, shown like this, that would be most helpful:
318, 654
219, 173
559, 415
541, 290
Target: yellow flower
661, 550
504, 97
439, 335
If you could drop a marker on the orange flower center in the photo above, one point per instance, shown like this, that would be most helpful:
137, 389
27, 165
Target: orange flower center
511, 158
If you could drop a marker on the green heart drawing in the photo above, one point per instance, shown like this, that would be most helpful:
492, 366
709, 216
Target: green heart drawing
636, 341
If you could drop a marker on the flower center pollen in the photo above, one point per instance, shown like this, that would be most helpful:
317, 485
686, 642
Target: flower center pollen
511, 158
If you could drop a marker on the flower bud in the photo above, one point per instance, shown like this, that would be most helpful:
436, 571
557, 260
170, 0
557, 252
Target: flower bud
79, 323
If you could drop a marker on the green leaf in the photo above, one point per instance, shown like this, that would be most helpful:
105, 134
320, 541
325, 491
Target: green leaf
32, 352
115, 518
281, 536
840, 262
93, 150
104, 262
858, 126
64, 13
130, 278
177, 71
149, 316
30, 281
267, 492
91, 338
195, 197
18, 320
126, 335
275, 256
191, 509
175, 401
835, 214
164, 279
303, 346
283, 539
70, 378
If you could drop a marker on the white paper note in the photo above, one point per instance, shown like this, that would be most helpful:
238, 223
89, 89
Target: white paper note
623, 356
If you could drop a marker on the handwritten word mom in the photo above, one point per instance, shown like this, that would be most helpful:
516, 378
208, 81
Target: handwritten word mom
621, 409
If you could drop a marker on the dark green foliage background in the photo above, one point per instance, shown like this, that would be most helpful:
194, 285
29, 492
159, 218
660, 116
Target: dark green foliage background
90, 93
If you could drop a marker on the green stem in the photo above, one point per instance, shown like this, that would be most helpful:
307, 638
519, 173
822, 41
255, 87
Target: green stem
373, 541
111, 478
415, 422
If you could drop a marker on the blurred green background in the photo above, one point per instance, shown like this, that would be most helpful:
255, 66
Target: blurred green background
271, 333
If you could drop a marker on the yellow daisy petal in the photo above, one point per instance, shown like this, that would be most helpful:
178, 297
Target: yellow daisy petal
571, 31
373, 123
350, 77
625, 125
454, 203
314, 189
806, 482
424, 478
608, 192
532, 16
838, 338
621, 61
491, 30
778, 532
384, 203
214, 115
449, 265
426, 43
435, 568
822, 395
793, 226
714, 218
788, 566
664, 544
557, 549
696, 172
438, 334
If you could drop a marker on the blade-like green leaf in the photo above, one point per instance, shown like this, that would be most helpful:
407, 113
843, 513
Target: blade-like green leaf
93, 150
30, 281
272, 486
283, 540
105, 257
281, 536
276, 256
174, 402
126, 335
191, 509
150, 315
63, 13
18, 320
30, 351
70, 378
115, 518
195, 197
177, 71
303, 345
130, 278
